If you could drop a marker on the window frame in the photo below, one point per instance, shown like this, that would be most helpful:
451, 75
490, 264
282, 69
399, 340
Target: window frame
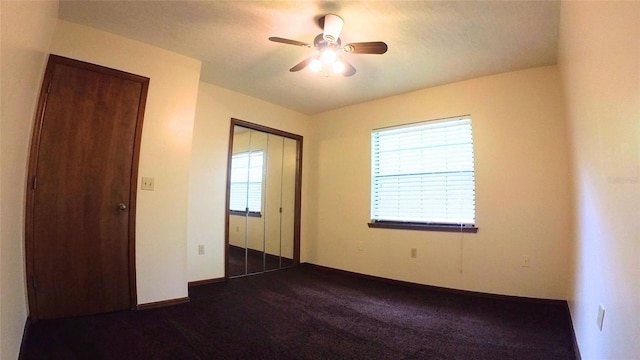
416, 225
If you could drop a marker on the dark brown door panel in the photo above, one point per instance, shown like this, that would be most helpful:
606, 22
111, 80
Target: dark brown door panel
81, 200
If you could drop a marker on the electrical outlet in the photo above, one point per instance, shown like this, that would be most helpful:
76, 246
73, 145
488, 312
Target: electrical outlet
200, 249
526, 261
600, 320
414, 253
147, 183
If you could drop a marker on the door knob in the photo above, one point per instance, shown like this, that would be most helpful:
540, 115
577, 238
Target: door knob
122, 207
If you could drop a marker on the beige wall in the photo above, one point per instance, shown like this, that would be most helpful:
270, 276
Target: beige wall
161, 223
522, 189
216, 106
600, 67
26, 30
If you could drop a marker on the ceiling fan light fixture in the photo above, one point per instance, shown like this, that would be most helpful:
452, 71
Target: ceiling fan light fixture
338, 67
326, 60
332, 28
315, 65
328, 55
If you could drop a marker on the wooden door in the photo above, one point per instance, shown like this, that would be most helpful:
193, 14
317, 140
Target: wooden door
81, 191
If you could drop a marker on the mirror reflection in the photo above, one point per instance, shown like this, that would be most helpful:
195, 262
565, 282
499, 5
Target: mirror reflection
263, 185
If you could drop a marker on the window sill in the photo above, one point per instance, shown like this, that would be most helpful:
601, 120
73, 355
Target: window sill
244, 213
422, 226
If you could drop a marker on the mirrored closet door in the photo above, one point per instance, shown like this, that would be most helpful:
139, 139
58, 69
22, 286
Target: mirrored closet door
263, 197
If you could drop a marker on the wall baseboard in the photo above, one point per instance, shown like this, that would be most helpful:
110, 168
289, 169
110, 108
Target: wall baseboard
163, 303
438, 288
206, 281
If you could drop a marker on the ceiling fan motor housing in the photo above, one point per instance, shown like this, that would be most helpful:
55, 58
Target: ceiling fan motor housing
320, 43
332, 28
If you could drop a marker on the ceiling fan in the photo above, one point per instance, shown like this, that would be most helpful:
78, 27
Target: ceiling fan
329, 47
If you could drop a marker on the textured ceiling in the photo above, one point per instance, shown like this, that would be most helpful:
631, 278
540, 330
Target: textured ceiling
430, 43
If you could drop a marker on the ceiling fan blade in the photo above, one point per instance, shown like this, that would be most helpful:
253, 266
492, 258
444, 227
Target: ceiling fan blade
289, 41
301, 65
372, 47
349, 70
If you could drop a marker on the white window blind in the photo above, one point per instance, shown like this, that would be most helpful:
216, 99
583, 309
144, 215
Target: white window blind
246, 181
424, 173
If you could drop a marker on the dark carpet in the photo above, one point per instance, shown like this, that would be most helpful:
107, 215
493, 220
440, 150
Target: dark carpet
308, 312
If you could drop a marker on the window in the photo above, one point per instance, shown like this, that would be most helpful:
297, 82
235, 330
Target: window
246, 182
422, 176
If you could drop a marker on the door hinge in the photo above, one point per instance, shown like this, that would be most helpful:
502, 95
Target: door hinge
49, 87
35, 182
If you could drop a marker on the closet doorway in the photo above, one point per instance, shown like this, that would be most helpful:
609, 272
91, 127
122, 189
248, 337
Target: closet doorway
263, 199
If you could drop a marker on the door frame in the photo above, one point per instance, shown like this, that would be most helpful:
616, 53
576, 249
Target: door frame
32, 171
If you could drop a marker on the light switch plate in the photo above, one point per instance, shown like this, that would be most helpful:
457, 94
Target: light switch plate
147, 183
